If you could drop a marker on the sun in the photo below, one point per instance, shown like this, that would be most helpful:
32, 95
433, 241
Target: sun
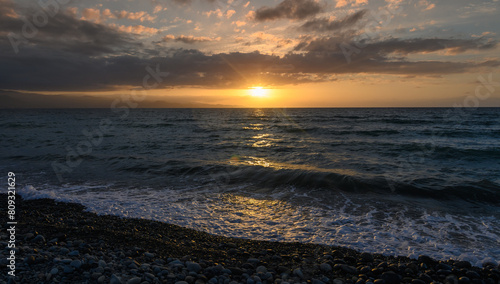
258, 92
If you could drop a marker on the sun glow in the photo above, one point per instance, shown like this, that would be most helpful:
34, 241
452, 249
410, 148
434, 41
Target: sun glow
258, 92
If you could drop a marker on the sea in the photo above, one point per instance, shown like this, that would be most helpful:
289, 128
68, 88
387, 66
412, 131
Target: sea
393, 181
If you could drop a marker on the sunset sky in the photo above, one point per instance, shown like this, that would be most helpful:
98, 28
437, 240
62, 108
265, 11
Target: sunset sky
282, 53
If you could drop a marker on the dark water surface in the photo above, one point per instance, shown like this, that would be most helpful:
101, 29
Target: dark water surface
394, 181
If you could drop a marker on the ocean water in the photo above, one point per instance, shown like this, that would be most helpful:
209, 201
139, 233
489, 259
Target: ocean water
391, 181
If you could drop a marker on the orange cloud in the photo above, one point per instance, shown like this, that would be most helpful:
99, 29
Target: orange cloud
137, 29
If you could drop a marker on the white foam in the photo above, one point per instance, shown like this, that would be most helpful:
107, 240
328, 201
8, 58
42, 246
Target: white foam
376, 227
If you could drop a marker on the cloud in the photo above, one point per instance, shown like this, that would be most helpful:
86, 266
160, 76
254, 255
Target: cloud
354, 3
289, 9
398, 46
239, 23
136, 29
98, 16
325, 24
65, 32
188, 39
72, 54
53, 71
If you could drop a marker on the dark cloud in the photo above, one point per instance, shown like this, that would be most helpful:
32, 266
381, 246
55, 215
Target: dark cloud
61, 31
398, 46
32, 70
69, 54
408, 46
289, 9
186, 39
324, 24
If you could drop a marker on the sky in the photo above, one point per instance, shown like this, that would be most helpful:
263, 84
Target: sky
240, 53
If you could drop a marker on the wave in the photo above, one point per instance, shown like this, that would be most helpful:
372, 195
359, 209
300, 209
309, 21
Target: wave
331, 181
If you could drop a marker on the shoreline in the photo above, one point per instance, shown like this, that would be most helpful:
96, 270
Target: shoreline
61, 243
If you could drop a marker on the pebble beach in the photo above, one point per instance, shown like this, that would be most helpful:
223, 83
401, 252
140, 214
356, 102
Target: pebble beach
62, 243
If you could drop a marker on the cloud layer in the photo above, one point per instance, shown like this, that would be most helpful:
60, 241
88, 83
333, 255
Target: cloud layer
71, 53
289, 9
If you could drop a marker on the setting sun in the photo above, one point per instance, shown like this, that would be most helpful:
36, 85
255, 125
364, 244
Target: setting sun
258, 92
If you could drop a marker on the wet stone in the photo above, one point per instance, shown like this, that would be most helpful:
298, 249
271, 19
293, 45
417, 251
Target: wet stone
325, 267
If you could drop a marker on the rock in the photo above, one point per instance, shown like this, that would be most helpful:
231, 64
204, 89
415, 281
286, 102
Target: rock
261, 269
349, 269
114, 280
30, 259
325, 267
417, 281
149, 255
54, 271
39, 239
101, 279
253, 260
444, 266
317, 281
135, 280
366, 257
68, 269
472, 274
463, 264
426, 278
76, 264
149, 275
298, 272
390, 278
102, 263
425, 259
489, 264
463, 280
443, 272
451, 279
181, 282
28, 236
193, 266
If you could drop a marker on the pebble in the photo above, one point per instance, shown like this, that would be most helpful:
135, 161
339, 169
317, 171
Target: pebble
390, 278
114, 280
366, 257
135, 280
193, 266
349, 269
74, 253
76, 263
54, 271
317, 281
463, 280
298, 272
39, 239
325, 267
261, 269
101, 263
68, 269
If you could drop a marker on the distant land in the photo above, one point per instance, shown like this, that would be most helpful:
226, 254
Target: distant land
14, 99
27, 100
